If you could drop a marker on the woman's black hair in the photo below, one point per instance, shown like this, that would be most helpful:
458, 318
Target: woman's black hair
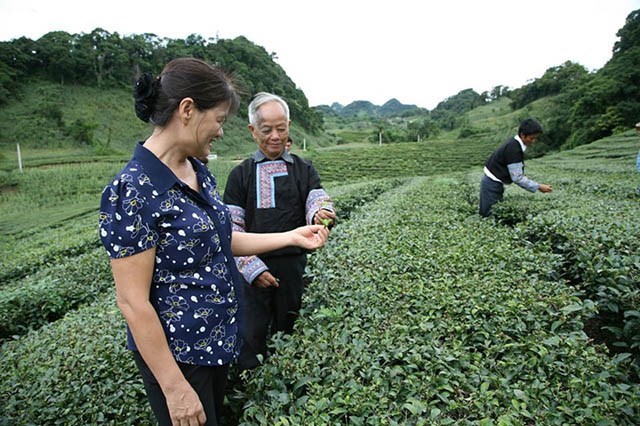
157, 98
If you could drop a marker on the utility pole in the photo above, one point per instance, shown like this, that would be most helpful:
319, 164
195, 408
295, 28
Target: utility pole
19, 158
638, 159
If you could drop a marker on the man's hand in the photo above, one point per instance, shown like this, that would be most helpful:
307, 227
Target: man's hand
265, 280
545, 188
324, 217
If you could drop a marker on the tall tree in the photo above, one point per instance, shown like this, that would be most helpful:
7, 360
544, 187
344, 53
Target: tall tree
610, 101
629, 34
55, 51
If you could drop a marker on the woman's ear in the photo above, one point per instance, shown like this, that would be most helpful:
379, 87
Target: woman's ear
186, 110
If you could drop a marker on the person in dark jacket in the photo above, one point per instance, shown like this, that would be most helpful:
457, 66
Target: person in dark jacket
273, 191
506, 166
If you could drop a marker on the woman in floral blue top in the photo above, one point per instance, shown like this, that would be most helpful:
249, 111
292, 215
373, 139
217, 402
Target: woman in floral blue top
170, 241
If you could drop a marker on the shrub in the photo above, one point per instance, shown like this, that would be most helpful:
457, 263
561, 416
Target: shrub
75, 371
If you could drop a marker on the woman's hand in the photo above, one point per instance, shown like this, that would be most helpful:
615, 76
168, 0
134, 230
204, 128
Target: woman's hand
185, 408
309, 237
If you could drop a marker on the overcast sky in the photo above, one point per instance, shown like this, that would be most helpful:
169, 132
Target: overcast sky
417, 51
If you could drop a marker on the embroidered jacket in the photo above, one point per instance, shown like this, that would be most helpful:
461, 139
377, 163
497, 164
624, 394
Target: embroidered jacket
273, 196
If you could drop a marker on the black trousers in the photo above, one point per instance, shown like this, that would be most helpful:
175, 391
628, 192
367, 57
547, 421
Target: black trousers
491, 192
266, 311
208, 382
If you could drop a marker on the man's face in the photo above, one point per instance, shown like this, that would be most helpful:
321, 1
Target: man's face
528, 140
272, 131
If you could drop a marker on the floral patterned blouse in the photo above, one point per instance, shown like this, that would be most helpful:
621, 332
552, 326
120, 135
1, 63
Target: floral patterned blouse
192, 288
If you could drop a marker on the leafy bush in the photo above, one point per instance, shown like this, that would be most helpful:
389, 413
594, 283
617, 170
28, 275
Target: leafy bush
418, 315
348, 198
600, 257
81, 131
75, 371
349, 165
53, 291
419, 312
41, 246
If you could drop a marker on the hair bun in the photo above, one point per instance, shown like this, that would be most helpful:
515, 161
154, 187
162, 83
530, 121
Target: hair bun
144, 94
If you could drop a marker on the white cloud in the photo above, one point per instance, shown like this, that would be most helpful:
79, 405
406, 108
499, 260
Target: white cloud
419, 52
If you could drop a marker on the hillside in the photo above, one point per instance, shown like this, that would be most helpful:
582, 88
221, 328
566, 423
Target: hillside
107, 60
69, 95
58, 106
56, 123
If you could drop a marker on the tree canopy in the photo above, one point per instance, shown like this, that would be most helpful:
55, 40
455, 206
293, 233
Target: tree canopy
586, 105
596, 105
105, 59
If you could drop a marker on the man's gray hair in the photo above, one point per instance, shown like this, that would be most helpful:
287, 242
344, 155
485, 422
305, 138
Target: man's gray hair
262, 98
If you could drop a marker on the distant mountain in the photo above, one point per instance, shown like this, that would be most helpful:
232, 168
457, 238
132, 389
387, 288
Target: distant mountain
360, 108
395, 107
337, 107
326, 109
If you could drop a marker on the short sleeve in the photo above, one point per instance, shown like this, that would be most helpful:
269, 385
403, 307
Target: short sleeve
127, 224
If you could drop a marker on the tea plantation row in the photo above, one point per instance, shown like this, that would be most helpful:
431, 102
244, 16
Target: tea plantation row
345, 164
420, 312
76, 370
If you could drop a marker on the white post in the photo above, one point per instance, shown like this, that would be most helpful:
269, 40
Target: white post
304, 144
380, 138
19, 158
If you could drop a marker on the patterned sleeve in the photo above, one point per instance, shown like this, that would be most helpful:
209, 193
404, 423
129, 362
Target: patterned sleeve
317, 198
125, 220
249, 266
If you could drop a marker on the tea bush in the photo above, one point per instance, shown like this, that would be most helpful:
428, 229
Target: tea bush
44, 245
346, 165
418, 311
74, 371
420, 314
591, 222
54, 290
82, 373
